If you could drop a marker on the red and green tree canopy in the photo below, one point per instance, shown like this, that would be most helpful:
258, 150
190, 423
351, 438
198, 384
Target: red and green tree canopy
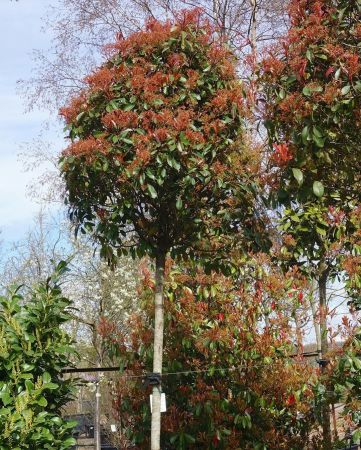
157, 154
312, 94
235, 389
313, 100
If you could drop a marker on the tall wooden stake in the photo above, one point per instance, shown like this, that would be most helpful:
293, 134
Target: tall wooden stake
97, 417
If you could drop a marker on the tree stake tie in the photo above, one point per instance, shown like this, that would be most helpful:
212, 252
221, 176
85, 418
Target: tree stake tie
153, 379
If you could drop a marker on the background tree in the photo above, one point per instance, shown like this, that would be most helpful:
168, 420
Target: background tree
346, 383
30, 260
80, 29
157, 163
231, 383
312, 93
33, 351
95, 290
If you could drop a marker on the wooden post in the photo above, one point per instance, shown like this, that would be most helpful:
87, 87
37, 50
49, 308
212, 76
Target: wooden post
97, 430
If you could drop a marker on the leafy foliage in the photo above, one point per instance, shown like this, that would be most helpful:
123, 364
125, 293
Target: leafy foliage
346, 382
314, 231
157, 158
242, 392
33, 350
312, 92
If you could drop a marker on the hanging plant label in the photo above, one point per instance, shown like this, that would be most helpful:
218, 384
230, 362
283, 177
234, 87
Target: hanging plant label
163, 404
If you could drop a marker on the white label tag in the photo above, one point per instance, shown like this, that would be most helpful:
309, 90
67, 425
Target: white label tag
163, 404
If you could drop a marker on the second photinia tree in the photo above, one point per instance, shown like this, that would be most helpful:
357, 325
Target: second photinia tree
312, 87
230, 381
157, 163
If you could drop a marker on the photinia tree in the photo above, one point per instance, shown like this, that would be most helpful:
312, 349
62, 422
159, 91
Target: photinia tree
311, 83
229, 381
346, 382
157, 162
312, 93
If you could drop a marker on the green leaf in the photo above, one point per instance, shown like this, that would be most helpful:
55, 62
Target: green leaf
297, 173
173, 163
152, 191
126, 140
70, 442
158, 102
179, 203
189, 439
321, 231
305, 134
26, 376
183, 39
357, 363
5, 397
346, 89
320, 142
179, 146
176, 165
318, 188
317, 132
307, 90
46, 377
42, 401
51, 386
29, 385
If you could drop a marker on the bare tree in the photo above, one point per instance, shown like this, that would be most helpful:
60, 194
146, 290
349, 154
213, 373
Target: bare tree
81, 28
30, 259
96, 291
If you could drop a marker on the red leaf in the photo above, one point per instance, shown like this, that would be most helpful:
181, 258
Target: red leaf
329, 71
291, 400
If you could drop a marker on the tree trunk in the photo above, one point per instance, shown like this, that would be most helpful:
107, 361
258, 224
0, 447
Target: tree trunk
253, 28
299, 335
325, 409
158, 349
315, 316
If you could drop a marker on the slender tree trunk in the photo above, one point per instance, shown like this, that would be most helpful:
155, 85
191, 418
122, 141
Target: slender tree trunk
335, 433
253, 28
158, 349
299, 335
315, 316
326, 419
252, 36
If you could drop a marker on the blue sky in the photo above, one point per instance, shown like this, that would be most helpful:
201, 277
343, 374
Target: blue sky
20, 33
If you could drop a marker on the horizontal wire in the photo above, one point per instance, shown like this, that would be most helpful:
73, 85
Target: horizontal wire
116, 369
165, 374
